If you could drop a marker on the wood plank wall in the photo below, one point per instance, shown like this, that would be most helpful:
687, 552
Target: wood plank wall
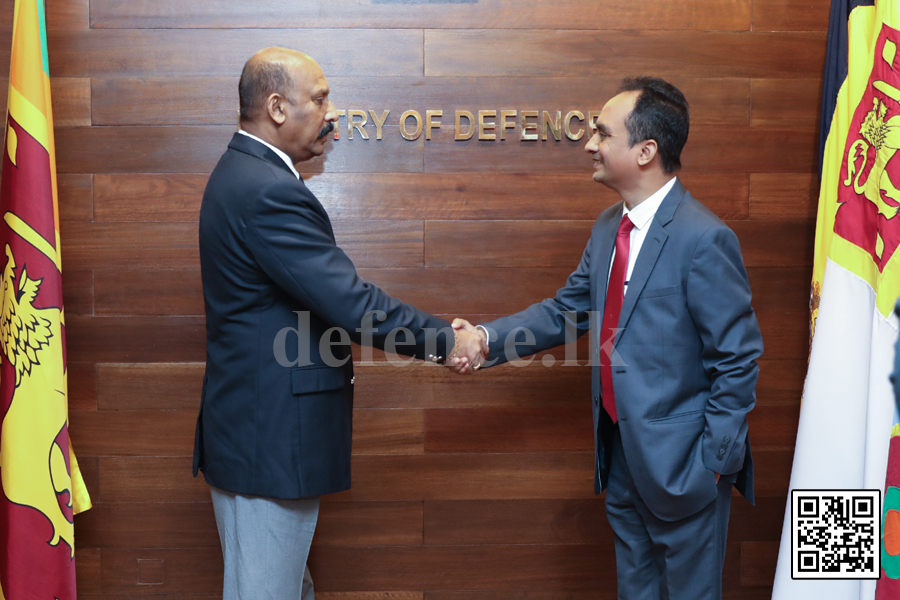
464, 489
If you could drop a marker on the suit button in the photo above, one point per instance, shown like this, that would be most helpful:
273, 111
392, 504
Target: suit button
720, 457
727, 439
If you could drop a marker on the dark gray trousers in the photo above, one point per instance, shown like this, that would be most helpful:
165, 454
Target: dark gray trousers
665, 560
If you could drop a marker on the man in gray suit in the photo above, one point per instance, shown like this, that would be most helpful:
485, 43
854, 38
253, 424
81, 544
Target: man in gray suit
674, 358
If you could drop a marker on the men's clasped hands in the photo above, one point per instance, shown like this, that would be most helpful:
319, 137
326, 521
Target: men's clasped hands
470, 350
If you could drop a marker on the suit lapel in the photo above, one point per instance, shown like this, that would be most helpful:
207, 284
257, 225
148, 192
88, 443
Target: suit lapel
650, 251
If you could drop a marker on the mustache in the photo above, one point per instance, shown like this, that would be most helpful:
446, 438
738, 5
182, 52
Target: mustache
329, 127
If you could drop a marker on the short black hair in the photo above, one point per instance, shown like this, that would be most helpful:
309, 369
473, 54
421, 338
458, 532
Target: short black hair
259, 80
661, 114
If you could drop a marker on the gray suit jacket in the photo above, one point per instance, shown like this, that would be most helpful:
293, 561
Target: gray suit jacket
684, 361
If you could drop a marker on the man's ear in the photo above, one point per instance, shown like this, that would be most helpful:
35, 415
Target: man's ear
275, 108
648, 152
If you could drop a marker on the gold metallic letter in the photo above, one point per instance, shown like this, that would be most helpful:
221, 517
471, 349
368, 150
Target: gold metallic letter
526, 126
337, 126
567, 122
460, 114
505, 123
358, 125
482, 126
547, 120
403, 131
379, 123
430, 123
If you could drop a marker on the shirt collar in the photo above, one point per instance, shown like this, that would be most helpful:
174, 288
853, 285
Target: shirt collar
644, 212
284, 157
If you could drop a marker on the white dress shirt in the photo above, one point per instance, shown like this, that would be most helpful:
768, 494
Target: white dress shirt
284, 157
641, 215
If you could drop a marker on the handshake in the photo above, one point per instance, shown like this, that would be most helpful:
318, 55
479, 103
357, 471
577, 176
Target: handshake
470, 349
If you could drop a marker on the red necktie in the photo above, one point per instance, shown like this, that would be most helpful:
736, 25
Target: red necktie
615, 294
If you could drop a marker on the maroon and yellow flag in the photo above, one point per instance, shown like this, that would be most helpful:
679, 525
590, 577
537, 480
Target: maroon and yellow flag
41, 487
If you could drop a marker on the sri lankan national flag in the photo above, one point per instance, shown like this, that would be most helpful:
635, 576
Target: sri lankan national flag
847, 409
40, 484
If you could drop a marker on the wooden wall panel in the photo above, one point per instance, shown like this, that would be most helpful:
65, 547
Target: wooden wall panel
87, 562
146, 572
78, 292
148, 525
552, 53
143, 197
148, 479
451, 567
177, 100
136, 339
714, 151
464, 488
482, 430
165, 386
472, 476
789, 103
129, 245
98, 52
758, 563
774, 15
508, 243
526, 14
466, 522
432, 196
76, 197
197, 150
388, 431
369, 524
82, 382
779, 382
777, 196
380, 385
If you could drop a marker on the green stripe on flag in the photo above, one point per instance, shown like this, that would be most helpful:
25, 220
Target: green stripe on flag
42, 22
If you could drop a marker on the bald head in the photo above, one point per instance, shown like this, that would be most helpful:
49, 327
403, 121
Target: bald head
271, 71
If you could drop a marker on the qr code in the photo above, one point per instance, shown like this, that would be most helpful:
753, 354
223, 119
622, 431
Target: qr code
835, 534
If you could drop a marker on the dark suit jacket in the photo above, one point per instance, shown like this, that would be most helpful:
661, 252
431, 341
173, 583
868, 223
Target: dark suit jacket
685, 367
270, 425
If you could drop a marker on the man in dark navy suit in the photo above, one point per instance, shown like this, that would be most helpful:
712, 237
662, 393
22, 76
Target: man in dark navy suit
274, 429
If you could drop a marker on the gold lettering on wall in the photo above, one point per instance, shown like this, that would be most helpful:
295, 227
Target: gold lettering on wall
533, 125
483, 126
379, 122
505, 123
431, 123
469, 117
352, 123
404, 131
551, 122
567, 122
526, 126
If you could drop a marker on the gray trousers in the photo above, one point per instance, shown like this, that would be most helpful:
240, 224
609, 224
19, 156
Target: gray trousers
663, 560
265, 544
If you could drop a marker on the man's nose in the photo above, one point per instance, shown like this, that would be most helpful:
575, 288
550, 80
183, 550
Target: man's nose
331, 114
